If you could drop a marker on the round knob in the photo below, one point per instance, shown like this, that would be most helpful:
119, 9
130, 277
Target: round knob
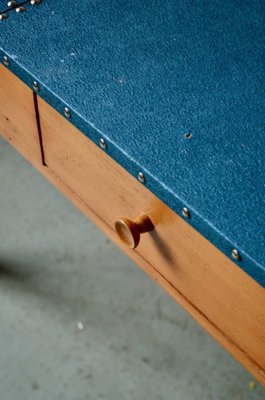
129, 231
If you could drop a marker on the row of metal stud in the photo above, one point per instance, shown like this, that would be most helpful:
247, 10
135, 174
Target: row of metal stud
13, 5
103, 144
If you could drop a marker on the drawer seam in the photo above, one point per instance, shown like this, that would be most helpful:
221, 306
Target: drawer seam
37, 115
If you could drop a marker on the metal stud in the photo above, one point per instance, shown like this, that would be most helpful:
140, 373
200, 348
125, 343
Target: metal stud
6, 61
3, 16
235, 254
36, 86
185, 212
35, 2
141, 177
102, 144
20, 9
67, 112
12, 4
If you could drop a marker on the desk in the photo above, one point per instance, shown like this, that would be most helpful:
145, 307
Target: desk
154, 111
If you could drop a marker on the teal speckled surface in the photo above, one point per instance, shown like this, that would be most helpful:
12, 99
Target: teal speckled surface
142, 74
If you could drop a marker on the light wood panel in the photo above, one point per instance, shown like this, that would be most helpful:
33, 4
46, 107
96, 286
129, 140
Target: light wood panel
202, 319
17, 116
226, 301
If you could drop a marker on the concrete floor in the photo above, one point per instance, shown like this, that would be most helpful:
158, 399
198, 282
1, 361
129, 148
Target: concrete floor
80, 321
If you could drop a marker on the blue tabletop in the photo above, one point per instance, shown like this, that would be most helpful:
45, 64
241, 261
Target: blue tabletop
142, 74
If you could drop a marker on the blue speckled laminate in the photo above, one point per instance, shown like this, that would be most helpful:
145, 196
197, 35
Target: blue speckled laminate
143, 74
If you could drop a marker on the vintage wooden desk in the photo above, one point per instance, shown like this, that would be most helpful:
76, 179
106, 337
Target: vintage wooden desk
149, 116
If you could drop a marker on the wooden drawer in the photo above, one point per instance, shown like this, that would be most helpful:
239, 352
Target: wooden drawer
17, 116
214, 288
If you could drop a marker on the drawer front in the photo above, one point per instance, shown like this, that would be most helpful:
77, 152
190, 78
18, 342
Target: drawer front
212, 283
17, 116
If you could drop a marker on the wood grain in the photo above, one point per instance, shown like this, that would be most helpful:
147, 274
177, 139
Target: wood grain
17, 116
225, 300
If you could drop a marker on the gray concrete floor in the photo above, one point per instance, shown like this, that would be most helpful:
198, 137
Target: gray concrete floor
57, 269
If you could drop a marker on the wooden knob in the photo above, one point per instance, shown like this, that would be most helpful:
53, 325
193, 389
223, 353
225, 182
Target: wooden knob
129, 231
